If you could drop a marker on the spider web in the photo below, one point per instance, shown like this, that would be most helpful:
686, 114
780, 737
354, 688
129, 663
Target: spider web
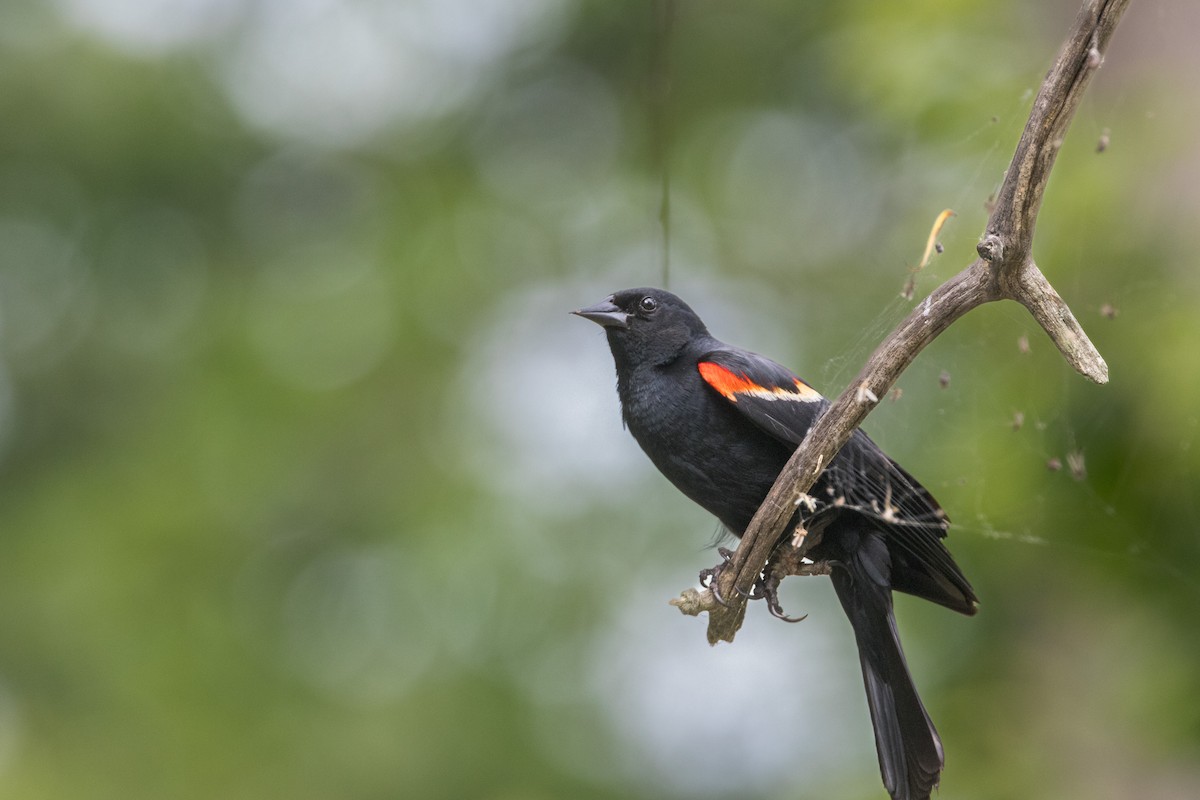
1060, 418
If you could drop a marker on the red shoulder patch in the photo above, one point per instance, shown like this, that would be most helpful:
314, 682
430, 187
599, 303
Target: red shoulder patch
731, 384
726, 381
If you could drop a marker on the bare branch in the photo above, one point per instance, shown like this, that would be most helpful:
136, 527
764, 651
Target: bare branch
1004, 270
1034, 292
1020, 198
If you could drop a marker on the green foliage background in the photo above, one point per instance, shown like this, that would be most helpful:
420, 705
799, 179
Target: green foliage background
310, 488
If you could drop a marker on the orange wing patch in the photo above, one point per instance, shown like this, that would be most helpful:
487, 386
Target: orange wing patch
732, 384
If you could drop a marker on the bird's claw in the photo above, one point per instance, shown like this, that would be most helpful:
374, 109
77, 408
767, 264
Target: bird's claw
709, 578
767, 588
716, 593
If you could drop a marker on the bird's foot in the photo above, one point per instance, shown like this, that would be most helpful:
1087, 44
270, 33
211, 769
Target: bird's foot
709, 578
767, 588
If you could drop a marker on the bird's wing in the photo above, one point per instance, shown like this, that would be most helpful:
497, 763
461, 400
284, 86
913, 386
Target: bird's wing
765, 392
862, 479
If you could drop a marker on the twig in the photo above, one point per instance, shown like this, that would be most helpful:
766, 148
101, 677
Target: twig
1004, 270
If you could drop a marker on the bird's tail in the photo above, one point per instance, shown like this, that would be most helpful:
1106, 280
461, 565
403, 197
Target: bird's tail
910, 752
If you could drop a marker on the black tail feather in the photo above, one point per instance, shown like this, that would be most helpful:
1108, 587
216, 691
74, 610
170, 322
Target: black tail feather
910, 752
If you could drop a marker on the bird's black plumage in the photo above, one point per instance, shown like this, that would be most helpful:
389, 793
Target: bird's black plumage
720, 423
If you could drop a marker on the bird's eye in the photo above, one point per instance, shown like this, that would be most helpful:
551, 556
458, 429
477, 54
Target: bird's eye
648, 304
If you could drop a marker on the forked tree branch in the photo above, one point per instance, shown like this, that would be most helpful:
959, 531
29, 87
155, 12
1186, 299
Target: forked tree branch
1004, 270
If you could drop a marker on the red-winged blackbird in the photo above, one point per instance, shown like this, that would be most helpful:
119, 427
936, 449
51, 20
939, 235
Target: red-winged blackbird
720, 423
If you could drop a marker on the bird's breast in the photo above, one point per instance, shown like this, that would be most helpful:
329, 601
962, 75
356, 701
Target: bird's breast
702, 445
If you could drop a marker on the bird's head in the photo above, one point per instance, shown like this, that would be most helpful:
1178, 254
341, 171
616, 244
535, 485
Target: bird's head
645, 326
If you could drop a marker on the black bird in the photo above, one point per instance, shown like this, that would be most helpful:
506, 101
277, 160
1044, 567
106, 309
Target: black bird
720, 423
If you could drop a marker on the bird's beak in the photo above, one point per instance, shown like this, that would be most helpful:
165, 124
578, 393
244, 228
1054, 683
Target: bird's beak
605, 313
